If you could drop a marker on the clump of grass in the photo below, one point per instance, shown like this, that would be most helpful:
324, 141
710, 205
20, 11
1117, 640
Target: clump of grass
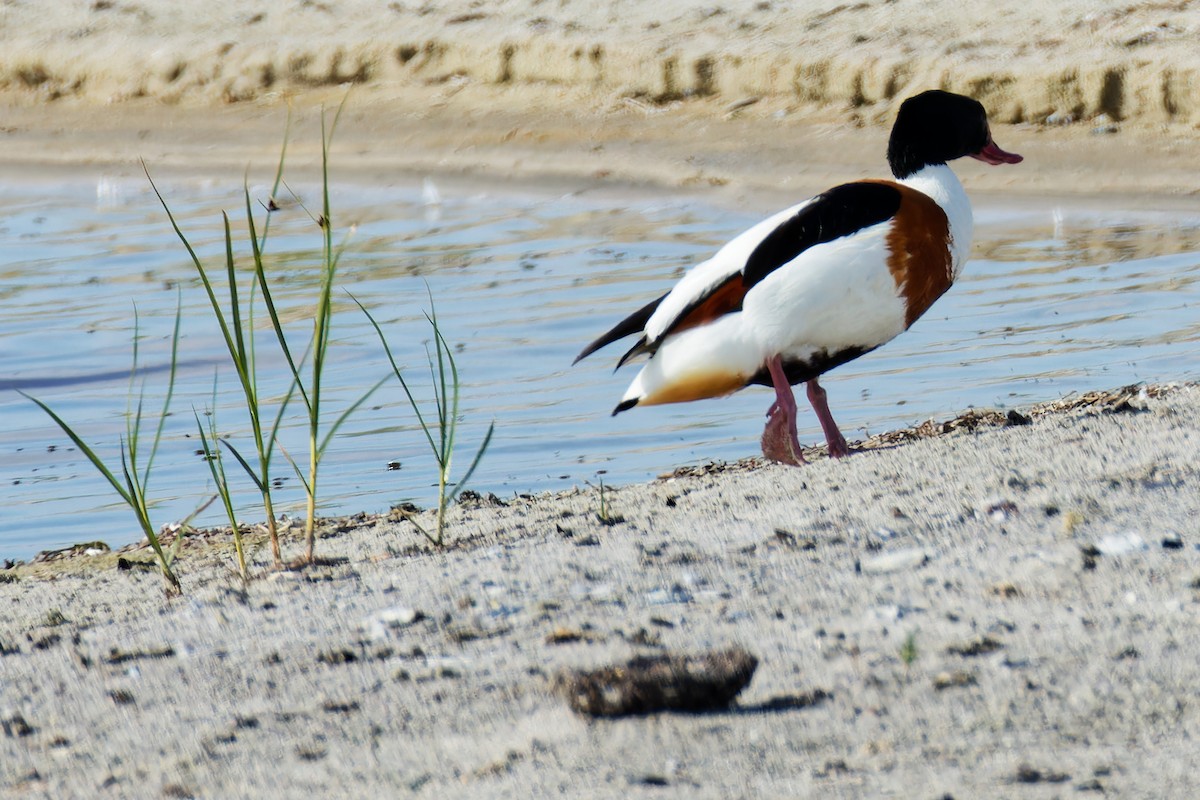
908, 651
235, 319
604, 513
216, 466
133, 485
238, 333
446, 388
310, 395
237, 330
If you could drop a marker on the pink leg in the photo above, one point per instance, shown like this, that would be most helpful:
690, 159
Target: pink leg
837, 442
779, 440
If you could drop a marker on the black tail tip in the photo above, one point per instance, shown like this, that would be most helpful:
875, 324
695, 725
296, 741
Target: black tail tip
624, 405
587, 351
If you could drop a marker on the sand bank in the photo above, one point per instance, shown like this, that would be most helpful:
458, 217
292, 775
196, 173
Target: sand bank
1066, 58
1004, 610
743, 98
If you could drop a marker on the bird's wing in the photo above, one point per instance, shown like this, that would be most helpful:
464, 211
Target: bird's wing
718, 286
842, 211
708, 290
634, 323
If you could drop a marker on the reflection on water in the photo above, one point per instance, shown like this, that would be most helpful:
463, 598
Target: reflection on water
1054, 301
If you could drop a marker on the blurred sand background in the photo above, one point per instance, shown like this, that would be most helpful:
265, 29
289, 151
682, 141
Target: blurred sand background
720, 96
1046, 574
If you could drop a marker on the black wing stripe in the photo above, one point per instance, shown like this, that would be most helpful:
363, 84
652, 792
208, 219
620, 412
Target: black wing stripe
638, 349
723, 298
841, 211
634, 323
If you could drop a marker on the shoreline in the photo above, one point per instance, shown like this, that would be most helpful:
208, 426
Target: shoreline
1044, 576
85, 556
689, 149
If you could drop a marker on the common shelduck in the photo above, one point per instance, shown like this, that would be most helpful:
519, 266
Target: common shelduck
820, 283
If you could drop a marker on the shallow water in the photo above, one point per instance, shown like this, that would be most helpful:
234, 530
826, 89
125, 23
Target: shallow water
1055, 301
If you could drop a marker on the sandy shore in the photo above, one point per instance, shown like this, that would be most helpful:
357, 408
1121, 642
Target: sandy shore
1046, 574
1000, 611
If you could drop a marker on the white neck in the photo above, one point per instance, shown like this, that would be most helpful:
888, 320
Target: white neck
943, 187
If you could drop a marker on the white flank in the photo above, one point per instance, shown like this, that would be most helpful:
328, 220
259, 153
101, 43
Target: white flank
729, 260
833, 296
722, 347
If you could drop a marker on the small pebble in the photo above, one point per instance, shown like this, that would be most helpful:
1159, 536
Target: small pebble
894, 561
1000, 510
399, 616
1104, 124
950, 680
676, 594
15, 726
1116, 544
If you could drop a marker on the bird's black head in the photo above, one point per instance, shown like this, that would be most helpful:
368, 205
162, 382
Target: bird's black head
935, 127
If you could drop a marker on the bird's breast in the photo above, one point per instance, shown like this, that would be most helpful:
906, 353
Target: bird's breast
919, 252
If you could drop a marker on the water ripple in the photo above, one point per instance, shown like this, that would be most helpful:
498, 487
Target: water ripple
1052, 303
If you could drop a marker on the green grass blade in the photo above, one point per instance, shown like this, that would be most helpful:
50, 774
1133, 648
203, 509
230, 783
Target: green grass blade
277, 326
462, 482
439, 404
132, 437
346, 414
326, 142
237, 347
133, 423
132, 488
260, 276
258, 482
133, 373
83, 448
204, 279
216, 465
396, 370
443, 345
162, 417
260, 244
295, 468
142, 512
446, 419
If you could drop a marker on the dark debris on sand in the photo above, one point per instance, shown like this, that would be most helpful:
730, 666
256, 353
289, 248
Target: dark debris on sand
646, 684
